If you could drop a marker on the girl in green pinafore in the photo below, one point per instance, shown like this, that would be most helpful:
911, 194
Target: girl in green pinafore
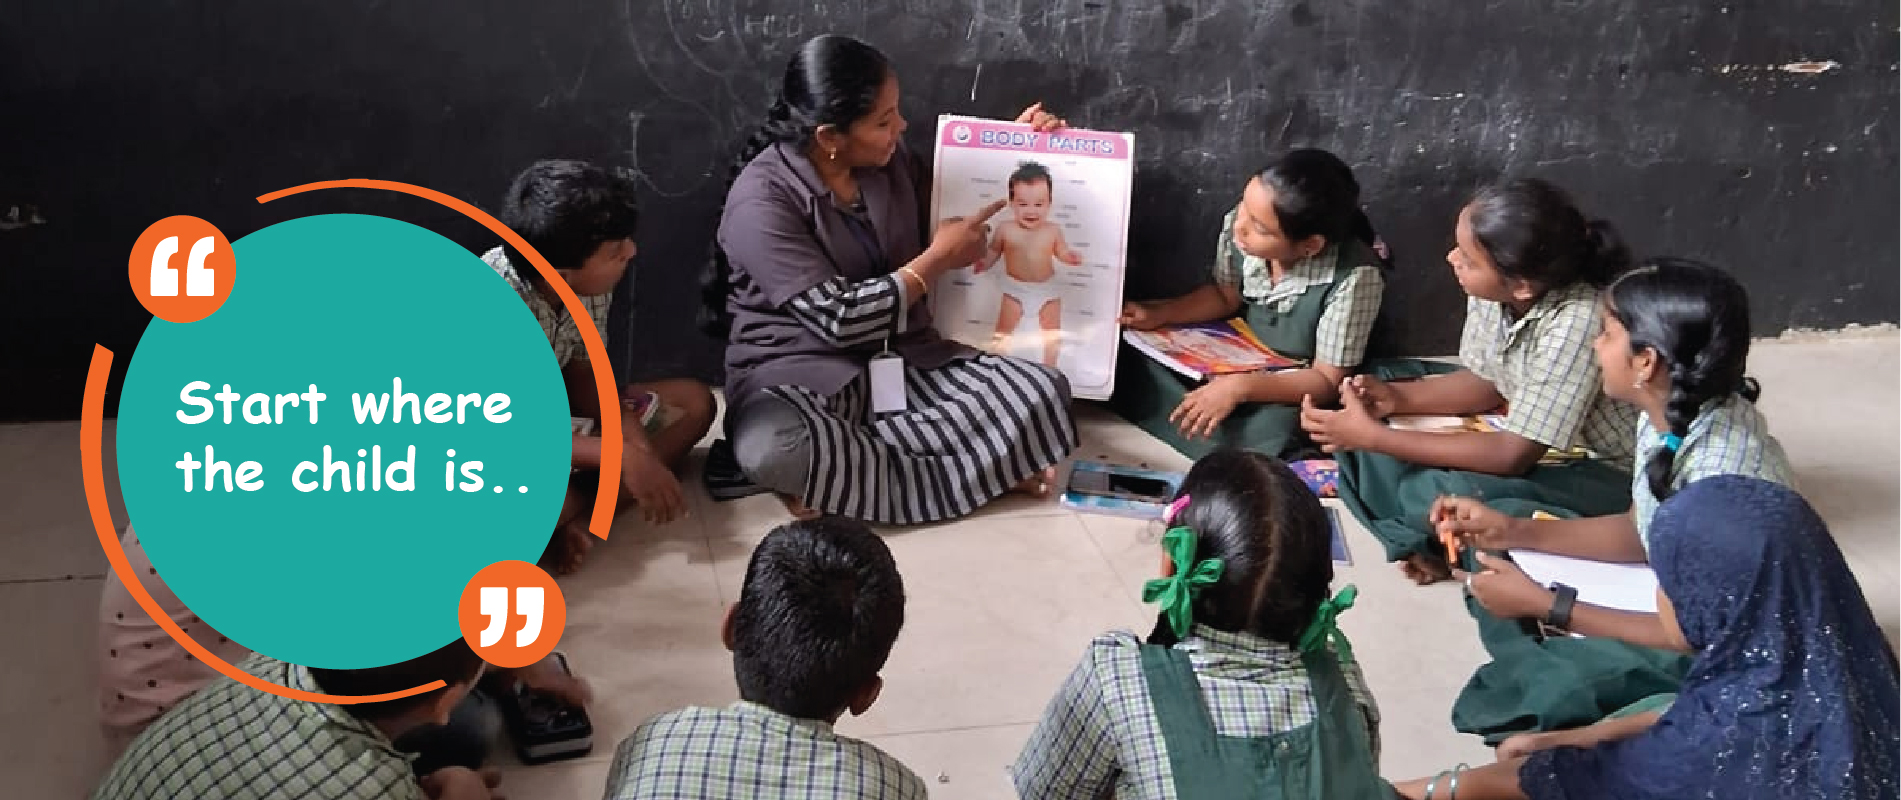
1245, 689
1300, 263
1675, 344
1531, 266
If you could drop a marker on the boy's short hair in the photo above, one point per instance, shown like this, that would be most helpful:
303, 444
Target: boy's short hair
1030, 172
565, 210
452, 663
820, 609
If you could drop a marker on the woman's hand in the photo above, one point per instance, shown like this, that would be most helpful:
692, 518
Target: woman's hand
1042, 121
1350, 428
1141, 317
1204, 409
963, 240
1377, 395
1506, 591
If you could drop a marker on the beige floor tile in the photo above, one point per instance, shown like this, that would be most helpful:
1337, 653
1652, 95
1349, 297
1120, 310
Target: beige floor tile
966, 764
581, 779
50, 744
47, 532
643, 627
997, 612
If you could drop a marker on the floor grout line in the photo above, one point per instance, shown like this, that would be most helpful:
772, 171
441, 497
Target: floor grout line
90, 576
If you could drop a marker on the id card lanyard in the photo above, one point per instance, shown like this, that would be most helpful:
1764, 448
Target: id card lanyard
887, 367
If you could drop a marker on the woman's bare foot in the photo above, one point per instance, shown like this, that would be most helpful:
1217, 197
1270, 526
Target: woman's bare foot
797, 508
1038, 485
1424, 569
568, 549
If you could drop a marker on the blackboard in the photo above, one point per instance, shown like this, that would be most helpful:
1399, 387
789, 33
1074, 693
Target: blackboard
1755, 134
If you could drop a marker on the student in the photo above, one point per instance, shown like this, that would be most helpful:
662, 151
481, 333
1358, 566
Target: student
581, 218
820, 608
1297, 260
144, 672
233, 742
1245, 687
1531, 266
1675, 343
1793, 692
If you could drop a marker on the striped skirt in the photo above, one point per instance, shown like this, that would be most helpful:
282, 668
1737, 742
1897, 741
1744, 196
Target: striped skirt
972, 430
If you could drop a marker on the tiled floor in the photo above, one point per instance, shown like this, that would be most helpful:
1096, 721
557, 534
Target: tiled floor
1001, 604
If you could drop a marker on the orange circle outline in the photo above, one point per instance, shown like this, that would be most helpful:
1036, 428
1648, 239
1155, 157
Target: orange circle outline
92, 423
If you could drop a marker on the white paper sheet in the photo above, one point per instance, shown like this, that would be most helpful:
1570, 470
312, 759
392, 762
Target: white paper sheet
1626, 587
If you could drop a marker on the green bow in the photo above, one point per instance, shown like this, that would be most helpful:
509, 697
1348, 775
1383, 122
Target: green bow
1324, 627
1176, 593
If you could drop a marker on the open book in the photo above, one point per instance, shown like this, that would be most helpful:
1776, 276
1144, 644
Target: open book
1227, 347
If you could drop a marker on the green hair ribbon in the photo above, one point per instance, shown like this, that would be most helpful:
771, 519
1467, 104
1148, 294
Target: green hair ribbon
1176, 593
1325, 627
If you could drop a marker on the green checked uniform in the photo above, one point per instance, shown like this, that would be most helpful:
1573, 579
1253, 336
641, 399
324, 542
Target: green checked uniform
1544, 367
1564, 682
1322, 309
232, 742
1219, 715
746, 751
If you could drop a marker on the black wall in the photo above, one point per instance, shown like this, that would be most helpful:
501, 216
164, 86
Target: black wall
1675, 118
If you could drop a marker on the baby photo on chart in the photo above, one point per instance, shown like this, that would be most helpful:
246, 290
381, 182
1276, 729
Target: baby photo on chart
1049, 286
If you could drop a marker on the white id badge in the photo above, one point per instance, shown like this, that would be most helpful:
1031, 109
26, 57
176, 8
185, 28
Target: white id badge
887, 383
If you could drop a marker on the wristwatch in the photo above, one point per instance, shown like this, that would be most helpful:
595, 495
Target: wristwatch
1559, 616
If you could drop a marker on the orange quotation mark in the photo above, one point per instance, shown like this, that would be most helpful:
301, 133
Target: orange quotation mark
182, 270
496, 597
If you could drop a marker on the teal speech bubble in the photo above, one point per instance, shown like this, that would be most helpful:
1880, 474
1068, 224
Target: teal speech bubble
472, 472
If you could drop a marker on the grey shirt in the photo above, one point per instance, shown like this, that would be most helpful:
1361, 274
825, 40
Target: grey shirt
812, 300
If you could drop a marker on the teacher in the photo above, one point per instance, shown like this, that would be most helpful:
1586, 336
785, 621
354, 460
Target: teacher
823, 259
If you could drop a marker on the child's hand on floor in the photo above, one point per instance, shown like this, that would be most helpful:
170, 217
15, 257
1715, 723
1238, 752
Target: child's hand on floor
462, 783
652, 486
1506, 591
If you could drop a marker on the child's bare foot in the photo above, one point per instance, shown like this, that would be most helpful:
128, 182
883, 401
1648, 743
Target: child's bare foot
1038, 485
797, 508
1424, 569
568, 549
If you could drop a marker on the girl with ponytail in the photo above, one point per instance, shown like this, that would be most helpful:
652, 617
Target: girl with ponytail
822, 259
1675, 343
1547, 438
1532, 266
1300, 262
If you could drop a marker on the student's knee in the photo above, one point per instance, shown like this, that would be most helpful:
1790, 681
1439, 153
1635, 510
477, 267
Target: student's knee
773, 445
692, 400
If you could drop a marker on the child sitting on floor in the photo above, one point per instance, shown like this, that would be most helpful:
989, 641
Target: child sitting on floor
819, 611
1531, 266
233, 742
581, 218
1245, 688
1300, 262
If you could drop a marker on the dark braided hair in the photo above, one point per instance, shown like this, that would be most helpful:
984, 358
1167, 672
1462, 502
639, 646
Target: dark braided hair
1695, 317
1534, 232
1273, 538
832, 80
1315, 194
